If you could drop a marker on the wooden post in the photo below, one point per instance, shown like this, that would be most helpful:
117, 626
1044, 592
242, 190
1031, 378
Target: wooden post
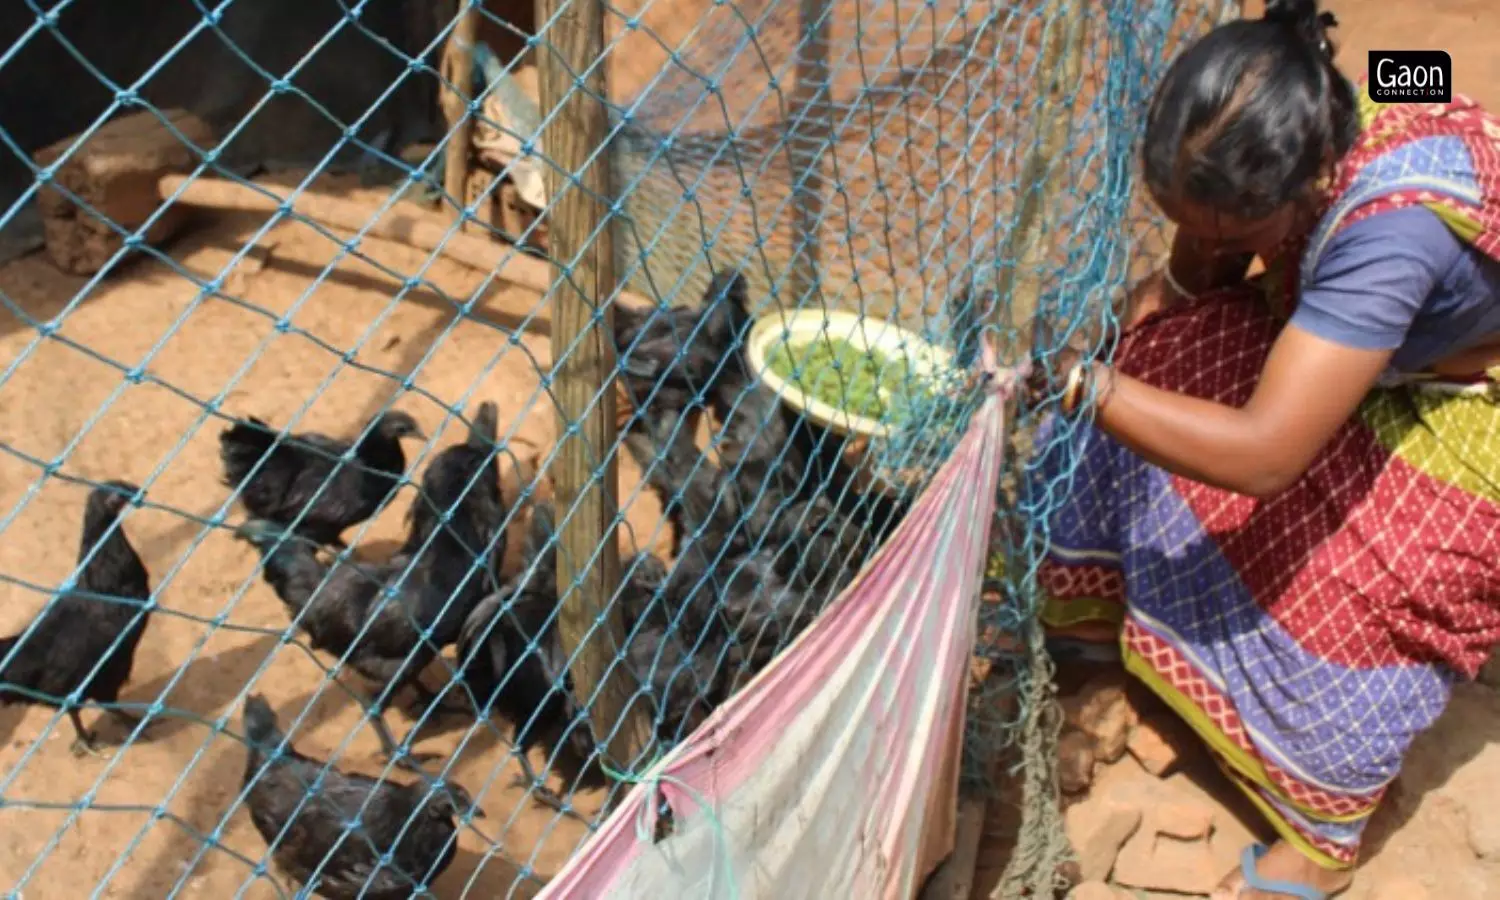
585, 475
1026, 246
808, 140
458, 77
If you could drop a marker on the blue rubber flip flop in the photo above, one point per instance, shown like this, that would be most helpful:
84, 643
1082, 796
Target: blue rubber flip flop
1248, 861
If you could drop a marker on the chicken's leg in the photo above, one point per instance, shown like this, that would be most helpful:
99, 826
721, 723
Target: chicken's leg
536, 789
411, 760
431, 703
86, 742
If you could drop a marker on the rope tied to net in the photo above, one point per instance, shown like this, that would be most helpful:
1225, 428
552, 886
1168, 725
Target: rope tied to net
647, 834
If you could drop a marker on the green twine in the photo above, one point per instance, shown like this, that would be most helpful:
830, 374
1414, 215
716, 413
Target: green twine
645, 835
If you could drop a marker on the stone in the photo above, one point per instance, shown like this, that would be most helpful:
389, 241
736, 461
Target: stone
1184, 820
1098, 828
1159, 745
1111, 730
1097, 890
1085, 701
1161, 863
1100, 709
1075, 761
116, 172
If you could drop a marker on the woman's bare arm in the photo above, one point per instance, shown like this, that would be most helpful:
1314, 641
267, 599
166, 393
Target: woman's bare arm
1310, 386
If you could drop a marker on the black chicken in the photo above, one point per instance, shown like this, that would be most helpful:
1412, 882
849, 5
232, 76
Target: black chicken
680, 668
742, 598
753, 562
309, 832
696, 496
514, 662
442, 570
817, 547
85, 639
672, 358
757, 443
758, 438
293, 471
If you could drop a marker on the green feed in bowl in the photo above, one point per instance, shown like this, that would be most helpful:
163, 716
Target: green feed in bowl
861, 382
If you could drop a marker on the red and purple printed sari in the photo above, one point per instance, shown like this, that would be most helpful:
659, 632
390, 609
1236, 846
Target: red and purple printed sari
1308, 638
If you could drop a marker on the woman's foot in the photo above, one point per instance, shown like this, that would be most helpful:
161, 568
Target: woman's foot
1284, 863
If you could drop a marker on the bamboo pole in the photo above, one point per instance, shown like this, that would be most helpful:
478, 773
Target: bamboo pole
458, 78
1027, 245
808, 144
573, 85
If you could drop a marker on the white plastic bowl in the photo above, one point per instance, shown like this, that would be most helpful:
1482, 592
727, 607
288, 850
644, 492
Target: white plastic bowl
803, 326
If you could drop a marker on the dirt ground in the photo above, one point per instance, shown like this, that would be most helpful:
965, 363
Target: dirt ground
152, 805
155, 436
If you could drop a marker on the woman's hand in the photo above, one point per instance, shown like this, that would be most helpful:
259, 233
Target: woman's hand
1049, 374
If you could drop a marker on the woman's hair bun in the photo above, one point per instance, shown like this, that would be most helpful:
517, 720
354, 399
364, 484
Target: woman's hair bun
1303, 17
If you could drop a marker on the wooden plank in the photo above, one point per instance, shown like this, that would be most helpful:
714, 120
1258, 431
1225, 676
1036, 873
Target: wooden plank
404, 223
457, 69
584, 472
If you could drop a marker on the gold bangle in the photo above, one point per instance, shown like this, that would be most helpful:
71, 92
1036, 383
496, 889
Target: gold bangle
1073, 389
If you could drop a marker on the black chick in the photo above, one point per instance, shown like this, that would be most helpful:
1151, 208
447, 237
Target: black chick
757, 439
292, 476
85, 639
764, 611
817, 547
672, 358
762, 465
515, 663
311, 838
679, 668
697, 498
439, 574
462, 483
758, 445
737, 613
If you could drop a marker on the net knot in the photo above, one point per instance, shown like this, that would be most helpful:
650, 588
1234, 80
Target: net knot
654, 833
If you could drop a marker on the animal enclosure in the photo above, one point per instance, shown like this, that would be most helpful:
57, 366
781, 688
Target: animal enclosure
293, 312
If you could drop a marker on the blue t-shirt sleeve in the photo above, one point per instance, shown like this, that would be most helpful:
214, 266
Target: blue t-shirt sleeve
1374, 278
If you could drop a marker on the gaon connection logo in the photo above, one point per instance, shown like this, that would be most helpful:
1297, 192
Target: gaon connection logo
1411, 76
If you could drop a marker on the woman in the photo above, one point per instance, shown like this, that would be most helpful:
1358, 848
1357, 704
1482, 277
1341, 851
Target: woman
1287, 508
